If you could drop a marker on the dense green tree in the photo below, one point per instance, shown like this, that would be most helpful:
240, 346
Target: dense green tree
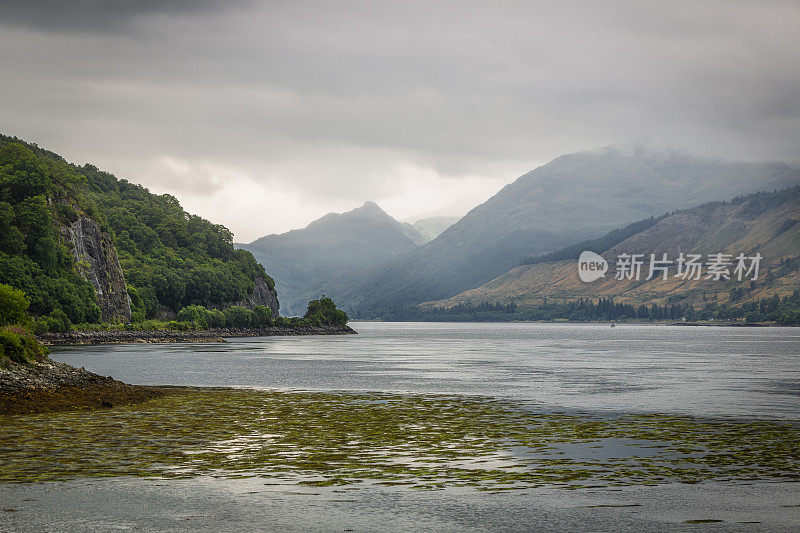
262, 316
12, 240
58, 322
13, 306
754, 316
138, 308
216, 319
238, 316
22, 174
196, 314
323, 312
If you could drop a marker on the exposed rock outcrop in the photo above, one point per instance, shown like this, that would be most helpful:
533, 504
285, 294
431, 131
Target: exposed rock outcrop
262, 295
96, 259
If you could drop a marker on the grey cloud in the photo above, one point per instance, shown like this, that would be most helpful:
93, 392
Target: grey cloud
322, 98
94, 16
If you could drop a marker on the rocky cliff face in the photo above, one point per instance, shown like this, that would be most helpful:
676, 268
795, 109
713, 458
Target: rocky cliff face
96, 259
262, 295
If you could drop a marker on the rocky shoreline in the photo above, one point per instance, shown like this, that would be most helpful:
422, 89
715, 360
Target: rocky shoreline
51, 386
77, 338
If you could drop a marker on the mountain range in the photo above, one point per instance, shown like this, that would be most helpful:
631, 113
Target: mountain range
574, 197
84, 244
767, 224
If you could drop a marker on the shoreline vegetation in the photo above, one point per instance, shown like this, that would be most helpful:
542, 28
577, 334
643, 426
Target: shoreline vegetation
195, 323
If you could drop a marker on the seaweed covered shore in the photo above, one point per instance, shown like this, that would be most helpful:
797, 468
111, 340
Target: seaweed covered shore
51, 386
429, 441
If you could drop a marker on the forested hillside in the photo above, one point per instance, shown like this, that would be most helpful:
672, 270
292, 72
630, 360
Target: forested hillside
170, 259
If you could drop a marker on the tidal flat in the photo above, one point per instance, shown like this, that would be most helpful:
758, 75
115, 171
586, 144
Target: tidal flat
410, 440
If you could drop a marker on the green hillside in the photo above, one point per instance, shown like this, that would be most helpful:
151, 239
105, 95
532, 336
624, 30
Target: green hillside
169, 258
33, 186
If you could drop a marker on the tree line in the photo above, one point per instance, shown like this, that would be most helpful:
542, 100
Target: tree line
780, 310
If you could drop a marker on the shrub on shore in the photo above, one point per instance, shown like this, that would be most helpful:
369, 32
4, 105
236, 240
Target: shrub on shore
322, 312
236, 317
18, 345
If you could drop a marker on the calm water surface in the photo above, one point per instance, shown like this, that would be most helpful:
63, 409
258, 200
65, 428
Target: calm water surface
700, 371
582, 375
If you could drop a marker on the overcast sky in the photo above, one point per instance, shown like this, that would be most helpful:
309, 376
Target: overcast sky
266, 115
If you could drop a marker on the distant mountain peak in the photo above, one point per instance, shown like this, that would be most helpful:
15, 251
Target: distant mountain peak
432, 227
302, 260
369, 204
369, 209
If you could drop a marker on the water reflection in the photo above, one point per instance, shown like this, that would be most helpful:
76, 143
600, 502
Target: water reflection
700, 371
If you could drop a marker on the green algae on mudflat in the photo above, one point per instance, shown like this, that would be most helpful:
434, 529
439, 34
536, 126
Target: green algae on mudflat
330, 438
